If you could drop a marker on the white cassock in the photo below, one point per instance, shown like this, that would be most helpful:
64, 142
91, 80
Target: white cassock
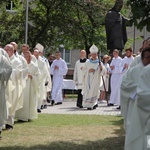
136, 61
116, 79
58, 75
49, 86
128, 61
78, 74
5, 72
128, 90
139, 129
91, 83
24, 73
106, 78
43, 79
15, 88
29, 110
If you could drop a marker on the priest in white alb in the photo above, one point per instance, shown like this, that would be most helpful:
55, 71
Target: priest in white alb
15, 86
138, 135
116, 66
48, 84
93, 70
58, 70
129, 87
42, 78
78, 76
5, 72
29, 110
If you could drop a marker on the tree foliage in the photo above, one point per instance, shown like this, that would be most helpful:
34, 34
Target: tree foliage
75, 23
140, 13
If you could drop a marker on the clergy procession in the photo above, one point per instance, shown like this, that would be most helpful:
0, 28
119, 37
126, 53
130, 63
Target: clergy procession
28, 82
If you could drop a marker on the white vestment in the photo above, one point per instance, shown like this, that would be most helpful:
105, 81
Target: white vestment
29, 110
139, 129
43, 79
5, 72
49, 86
24, 74
128, 89
128, 61
58, 78
91, 83
78, 74
14, 96
136, 61
116, 79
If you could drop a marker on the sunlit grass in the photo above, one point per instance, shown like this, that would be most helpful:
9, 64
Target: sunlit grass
66, 132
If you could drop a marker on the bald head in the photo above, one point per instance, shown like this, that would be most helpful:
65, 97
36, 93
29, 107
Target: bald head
82, 54
9, 49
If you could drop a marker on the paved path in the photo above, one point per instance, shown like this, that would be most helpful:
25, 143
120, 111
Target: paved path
69, 107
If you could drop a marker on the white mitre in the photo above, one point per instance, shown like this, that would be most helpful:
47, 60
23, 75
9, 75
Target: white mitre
39, 47
93, 49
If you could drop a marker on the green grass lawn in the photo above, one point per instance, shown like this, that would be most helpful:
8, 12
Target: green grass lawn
66, 132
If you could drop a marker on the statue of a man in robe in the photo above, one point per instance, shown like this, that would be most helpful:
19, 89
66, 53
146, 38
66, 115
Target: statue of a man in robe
115, 25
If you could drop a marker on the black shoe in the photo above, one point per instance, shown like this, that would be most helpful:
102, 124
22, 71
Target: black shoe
119, 107
59, 103
110, 104
95, 106
45, 106
80, 106
48, 101
9, 127
39, 110
53, 102
89, 108
42, 106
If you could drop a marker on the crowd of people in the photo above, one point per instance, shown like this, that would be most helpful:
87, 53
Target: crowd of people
29, 80
25, 83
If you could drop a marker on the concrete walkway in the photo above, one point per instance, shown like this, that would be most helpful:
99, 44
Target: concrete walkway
69, 107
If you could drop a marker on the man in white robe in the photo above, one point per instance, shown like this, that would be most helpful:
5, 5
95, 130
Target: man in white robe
137, 137
24, 69
116, 66
42, 78
128, 89
127, 60
29, 110
78, 76
48, 85
58, 70
92, 71
16, 79
5, 72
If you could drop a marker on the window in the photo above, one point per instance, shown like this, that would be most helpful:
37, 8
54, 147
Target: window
10, 6
65, 54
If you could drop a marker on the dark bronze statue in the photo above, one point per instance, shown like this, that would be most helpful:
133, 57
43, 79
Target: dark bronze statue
115, 25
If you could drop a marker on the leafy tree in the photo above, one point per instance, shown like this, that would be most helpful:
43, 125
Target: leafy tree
140, 13
75, 23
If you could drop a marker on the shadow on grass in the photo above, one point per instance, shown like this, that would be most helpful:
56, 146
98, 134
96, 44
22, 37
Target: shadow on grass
111, 143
